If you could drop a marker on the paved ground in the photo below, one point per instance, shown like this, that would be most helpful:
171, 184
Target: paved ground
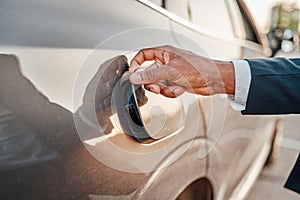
271, 181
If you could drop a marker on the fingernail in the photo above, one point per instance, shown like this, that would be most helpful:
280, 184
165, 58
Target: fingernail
133, 67
136, 78
153, 90
177, 91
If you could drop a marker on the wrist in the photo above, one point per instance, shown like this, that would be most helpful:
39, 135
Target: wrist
226, 70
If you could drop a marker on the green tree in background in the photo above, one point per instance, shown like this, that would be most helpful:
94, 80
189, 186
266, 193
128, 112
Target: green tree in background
285, 16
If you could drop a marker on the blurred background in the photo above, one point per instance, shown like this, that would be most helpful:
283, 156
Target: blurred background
278, 19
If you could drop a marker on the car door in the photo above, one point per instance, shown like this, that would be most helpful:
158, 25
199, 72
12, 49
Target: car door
225, 30
51, 40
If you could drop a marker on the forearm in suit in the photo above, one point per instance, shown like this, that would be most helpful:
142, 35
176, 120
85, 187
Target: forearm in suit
275, 89
275, 86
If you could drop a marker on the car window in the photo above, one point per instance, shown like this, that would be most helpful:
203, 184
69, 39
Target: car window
211, 15
250, 30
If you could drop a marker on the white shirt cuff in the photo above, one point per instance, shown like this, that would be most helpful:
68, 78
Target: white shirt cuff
242, 85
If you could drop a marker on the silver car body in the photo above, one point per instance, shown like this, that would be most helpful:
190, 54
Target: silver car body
52, 40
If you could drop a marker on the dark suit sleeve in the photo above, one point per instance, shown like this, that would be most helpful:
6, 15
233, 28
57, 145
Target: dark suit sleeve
275, 86
293, 182
275, 89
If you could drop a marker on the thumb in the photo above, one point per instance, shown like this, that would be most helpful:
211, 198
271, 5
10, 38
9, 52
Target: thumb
154, 75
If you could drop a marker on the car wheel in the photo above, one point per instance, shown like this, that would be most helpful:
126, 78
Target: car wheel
200, 189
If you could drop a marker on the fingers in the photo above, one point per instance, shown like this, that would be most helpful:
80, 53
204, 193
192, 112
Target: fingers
157, 54
154, 75
170, 91
155, 88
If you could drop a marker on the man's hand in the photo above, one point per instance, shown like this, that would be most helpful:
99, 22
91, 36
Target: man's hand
176, 71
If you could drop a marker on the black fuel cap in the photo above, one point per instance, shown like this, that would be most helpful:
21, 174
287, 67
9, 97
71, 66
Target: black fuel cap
125, 97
